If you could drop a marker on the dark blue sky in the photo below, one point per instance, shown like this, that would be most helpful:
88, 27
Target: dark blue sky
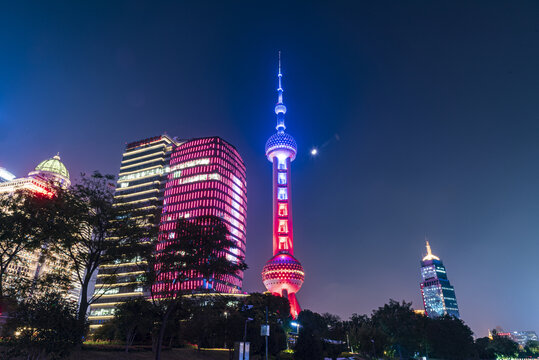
435, 105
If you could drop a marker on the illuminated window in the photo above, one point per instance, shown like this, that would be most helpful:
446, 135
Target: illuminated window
282, 164
171, 235
282, 194
283, 243
281, 178
283, 226
283, 210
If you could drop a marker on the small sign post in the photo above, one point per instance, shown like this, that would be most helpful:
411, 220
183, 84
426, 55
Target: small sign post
264, 330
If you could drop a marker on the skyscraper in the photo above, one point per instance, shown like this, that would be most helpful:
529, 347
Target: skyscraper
141, 184
438, 294
282, 275
207, 178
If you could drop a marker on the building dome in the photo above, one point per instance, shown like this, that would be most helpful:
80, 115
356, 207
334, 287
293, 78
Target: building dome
281, 142
52, 169
283, 272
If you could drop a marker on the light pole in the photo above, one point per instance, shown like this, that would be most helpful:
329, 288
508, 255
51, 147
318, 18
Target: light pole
297, 325
226, 325
245, 329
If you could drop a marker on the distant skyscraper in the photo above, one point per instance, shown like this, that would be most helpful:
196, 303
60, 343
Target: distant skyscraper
438, 294
207, 178
141, 184
282, 275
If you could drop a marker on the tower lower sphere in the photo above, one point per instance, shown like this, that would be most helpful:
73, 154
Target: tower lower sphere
283, 275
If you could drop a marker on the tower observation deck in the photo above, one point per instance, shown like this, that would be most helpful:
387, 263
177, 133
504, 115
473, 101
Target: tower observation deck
283, 274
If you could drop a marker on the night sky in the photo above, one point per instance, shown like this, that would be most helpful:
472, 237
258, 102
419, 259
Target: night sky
426, 116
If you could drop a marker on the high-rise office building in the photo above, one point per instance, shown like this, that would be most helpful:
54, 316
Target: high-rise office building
207, 178
283, 274
141, 184
438, 295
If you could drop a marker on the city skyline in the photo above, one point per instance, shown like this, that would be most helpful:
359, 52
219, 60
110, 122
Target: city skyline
424, 117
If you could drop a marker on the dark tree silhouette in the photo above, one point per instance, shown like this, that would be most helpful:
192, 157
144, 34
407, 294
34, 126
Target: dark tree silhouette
198, 250
90, 230
24, 220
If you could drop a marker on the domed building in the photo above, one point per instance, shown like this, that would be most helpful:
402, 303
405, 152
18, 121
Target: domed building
49, 171
52, 170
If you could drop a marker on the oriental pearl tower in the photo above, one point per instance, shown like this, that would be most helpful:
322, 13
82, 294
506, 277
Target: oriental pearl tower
282, 275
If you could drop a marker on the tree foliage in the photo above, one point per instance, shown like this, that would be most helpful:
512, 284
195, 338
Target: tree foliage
43, 326
24, 223
90, 230
197, 248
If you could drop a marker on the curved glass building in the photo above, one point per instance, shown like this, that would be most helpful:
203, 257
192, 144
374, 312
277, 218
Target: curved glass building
207, 178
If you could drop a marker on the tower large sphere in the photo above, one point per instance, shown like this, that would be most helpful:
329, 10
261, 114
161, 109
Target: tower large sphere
283, 272
281, 144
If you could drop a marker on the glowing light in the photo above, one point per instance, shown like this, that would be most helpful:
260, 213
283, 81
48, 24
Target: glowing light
430, 256
6, 175
314, 152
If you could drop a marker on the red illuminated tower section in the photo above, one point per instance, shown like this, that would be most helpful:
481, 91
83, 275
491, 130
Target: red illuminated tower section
207, 178
282, 275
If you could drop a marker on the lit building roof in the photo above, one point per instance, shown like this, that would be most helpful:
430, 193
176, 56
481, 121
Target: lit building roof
430, 256
53, 165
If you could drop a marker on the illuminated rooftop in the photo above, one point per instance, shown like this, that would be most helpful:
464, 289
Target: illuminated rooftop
53, 165
429, 255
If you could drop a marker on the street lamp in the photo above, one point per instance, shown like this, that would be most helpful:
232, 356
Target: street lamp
297, 325
245, 329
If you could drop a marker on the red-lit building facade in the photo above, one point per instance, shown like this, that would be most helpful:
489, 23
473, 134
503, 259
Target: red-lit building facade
207, 178
283, 274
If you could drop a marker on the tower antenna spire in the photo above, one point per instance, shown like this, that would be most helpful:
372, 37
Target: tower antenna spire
280, 109
429, 255
280, 73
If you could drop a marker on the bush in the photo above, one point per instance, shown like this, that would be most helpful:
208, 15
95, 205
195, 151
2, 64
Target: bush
43, 326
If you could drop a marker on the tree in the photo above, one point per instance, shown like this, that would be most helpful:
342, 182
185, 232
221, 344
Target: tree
43, 326
371, 340
532, 348
254, 307
498, 346
133, 317
195, 249
502, 346
483, 349
23, 218
310, 340
399, 323
449, 338
352, 327
90, 230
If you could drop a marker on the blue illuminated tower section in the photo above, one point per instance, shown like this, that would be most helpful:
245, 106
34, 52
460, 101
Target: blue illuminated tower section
438, 295
282, 275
